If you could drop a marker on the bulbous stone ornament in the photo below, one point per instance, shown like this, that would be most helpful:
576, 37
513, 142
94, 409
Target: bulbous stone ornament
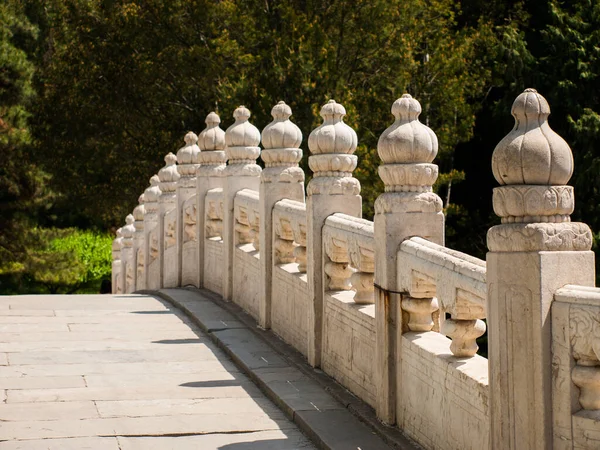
168, 175
187, 156
152, 194
281, 132
127, 231
212, 138
242, 133
242, 139
532, 153
333, 136
332, 145
407, 140
139, 210
281, 140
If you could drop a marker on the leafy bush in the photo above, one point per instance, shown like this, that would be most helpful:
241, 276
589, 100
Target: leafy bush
59, 261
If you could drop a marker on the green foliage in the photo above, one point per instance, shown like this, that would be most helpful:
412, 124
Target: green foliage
59, 261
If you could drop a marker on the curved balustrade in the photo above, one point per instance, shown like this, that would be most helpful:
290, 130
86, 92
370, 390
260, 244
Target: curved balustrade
374, 303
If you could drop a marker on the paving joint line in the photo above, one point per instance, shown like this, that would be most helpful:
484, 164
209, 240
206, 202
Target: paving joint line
391, 436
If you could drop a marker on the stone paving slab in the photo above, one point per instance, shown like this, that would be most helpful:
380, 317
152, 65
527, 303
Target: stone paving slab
122, 335
128, 372
261, 440
93, 443
329, 423
48, 411
53, 370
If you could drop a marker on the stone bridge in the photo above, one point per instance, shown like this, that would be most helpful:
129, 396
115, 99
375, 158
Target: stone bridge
383, 307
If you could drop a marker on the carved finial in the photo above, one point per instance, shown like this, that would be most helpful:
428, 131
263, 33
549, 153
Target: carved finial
212, 137
282, 132
533, 164
139, 211
407, 149
281, 140
127, 231
129, 219
242, 133
532, 153
187, 156
116, 245
333, 136
168, 175
407, 140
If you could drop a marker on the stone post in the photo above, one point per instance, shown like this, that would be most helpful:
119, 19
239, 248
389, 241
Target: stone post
242, 172
535, 251
151, 228
209, 175
127, 267
407, 208
187, 164
116, 262
168, 177
331, 190
138, 245
281, 179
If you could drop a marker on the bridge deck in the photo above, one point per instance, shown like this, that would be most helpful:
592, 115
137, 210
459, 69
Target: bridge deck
124, 372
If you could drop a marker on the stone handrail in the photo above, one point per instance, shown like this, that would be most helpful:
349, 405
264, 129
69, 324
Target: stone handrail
456, 279
289, 226
350, 247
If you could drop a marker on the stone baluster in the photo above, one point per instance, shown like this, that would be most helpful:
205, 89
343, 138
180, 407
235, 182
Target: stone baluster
284, 242
281, 179
242, 172
299, 229
209, 175
337, 268
187, 165
127, 267
407, 208
465, 325
116, 262
138, 245
332, 189
151, 229
168, 176
362, 259
535, 251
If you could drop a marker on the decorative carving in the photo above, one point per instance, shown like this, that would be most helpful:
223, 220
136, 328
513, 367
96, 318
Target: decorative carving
189, 223
214, 214
284, 243
254, 221
531, 237
140, 266
170, 239
242, 226
408, 202
534, 203
117, 244
299, 229
242, 139
584, 324
363, 259
153, 247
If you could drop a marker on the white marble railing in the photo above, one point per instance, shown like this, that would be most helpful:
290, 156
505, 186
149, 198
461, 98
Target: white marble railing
350, 247
384, 307
456, 280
